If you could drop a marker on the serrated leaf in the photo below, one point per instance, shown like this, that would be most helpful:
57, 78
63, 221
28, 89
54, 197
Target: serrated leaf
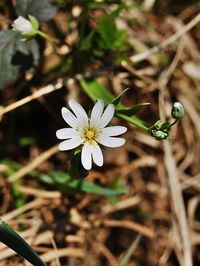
67, 184
42, 10
10, 46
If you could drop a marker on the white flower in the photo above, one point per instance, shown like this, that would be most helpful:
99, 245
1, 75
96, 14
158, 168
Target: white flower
89, 132
22, 25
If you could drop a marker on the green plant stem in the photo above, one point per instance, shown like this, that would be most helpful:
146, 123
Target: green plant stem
138, 123
50, 40
14, 241
125, 259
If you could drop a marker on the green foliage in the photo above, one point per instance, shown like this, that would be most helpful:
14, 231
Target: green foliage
126, 257
10, 45
42, 10
132, 110
66, 184
26, 141
13, 240
95, 91
106, 36
110, 37
12, 167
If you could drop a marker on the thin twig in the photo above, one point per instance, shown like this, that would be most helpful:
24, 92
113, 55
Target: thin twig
37, 94
171, 168
35, 163
141, 229
178, 203
38, 192
33, 204
144, 55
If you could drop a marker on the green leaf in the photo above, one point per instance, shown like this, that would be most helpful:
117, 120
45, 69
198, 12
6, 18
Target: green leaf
132, 110
11, 51
34, 22
12, 167
110, 37
26, 141
86, 43
43, 10
95, 91
118, 98
71, 185
13, 240
8, 72
126, 257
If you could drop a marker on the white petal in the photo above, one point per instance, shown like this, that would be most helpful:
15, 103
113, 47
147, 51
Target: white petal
22, 25
107, 116
96, 113
69, 118
70, 144
67, 133
97, 154
111, 142
113, 131
79, 112
86, 156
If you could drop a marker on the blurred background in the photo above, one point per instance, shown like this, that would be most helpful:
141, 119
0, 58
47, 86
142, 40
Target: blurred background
142, 206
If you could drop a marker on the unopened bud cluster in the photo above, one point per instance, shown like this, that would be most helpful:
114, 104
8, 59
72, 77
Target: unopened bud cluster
160, 130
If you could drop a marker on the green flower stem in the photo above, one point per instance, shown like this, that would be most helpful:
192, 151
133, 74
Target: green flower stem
14, 241
49, 39
138, 124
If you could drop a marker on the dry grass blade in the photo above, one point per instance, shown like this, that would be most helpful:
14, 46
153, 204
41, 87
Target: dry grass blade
37, 94
167, 42
141, 229
126, 257
121, 205
178, 204
38, 192
34, 164
65, 252
37, 203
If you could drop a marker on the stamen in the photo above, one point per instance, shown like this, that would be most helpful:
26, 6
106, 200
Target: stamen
89, 134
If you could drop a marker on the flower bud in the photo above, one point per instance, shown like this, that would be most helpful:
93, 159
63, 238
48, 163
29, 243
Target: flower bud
22, 25
177, 111
27, 28
160, 135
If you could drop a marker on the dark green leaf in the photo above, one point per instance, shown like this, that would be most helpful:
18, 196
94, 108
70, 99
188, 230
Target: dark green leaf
95, 91
11, 49
110, 37
71, 185
8, 44
11, 239
118, 98
42, 10
132, 110
86, 43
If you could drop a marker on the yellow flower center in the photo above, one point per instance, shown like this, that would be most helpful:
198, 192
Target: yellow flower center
90, 134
